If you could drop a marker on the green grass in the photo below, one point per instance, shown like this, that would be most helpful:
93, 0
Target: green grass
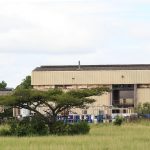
135, 136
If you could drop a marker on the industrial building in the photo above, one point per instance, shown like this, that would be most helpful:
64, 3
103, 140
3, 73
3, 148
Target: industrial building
129, 84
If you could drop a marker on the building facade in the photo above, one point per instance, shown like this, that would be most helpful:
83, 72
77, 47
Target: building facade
129, 84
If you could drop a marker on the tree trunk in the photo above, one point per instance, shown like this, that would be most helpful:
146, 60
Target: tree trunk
52, 122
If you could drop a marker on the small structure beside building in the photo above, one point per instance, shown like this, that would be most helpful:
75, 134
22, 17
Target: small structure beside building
6, 91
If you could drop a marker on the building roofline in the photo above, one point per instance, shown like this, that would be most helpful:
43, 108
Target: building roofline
94, 67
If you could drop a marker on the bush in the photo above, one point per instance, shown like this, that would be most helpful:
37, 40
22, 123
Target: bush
35, 126
28, 126
143, 109
118, 120
60, 128
79, 128
19, 128
5, 130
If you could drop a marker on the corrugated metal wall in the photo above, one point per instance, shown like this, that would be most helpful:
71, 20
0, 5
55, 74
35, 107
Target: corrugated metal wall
43, 80
102, 102
143, 95
90, 77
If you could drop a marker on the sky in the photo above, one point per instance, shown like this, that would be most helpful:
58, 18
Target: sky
62, 32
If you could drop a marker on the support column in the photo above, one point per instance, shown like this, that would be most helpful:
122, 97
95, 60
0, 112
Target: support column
135, 95
111, 95
111, 99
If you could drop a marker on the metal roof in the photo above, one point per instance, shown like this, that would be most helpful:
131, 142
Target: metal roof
93, 67
7, 89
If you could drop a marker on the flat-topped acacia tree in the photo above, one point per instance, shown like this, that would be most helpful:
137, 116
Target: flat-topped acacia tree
55, 100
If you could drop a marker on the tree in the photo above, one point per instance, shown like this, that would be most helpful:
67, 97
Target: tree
3, 85
25, 84
55, 100
143, 109
7, 112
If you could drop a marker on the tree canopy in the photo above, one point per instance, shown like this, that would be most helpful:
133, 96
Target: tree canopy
25, 84
55, 100
3, 85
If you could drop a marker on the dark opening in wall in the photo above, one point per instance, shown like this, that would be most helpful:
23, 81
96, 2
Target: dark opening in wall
123, 95
115, 111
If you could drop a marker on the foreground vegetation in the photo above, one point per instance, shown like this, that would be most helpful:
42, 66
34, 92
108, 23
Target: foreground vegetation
129, 136
54, 101
36, 127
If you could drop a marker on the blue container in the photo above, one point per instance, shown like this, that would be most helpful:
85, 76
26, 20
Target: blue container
76, 118
99, 118
147, 116
88, 118
70, 118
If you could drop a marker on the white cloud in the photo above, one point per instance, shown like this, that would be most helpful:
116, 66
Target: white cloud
140, 30
32, 28
49, 32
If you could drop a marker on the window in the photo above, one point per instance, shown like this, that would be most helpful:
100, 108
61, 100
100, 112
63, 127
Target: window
124, 111
115, 111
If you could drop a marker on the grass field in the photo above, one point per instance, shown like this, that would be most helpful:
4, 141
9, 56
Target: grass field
101, 137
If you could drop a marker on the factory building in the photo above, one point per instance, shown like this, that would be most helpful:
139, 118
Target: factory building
129, 84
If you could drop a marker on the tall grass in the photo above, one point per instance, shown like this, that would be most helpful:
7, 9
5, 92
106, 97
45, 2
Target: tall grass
130, 136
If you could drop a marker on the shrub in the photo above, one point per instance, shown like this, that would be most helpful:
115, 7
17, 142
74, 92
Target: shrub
79, 128
118, 120
5, 130
18, 128
143, 109
35, 126
60, 128
28, 126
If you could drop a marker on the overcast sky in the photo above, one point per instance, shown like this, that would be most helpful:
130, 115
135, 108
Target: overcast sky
61, 32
